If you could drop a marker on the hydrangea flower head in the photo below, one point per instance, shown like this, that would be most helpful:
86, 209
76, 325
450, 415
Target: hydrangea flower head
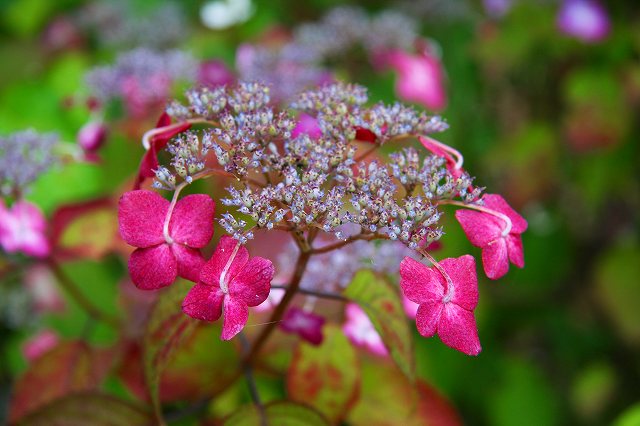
497, 234
447, 297
305, 324
167, 240
23, 229
229, 283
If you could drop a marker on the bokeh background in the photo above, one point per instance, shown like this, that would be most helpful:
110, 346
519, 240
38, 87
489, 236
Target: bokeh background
545, 117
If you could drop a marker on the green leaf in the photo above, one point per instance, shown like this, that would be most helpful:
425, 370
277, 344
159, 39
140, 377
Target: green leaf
277, 414
68, 368
166, 328
388, 398
87, 229
325, 377
629, 417
618, 290
93, 409
381, 301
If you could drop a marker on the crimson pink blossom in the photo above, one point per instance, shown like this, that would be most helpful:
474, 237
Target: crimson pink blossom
160, 258
23, 229
305, 324
446, 302
229, 283
500, 241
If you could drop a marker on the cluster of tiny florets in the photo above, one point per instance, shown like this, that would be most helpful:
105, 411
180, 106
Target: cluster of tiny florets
300, 63
24, 156
143, 74
303, 182
116, 23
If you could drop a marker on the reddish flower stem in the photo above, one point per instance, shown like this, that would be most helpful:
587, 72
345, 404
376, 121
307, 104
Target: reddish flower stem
349, 240
149, 134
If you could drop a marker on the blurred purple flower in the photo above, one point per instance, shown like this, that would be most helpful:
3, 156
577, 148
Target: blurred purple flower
305, 324
497, 8
214, 73
586, 20
361, 332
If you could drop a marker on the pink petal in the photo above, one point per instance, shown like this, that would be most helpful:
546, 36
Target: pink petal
462, 272
141, 216
253, 282
419, 283
152, 268
236, 314
213, 73
23, 228
480, 228
307, 125
211, 271
360, 331
190, 262
586, 20
410, 308
192, 220
420, 79
39, 344
203, 302
92, 135
427, 317
516, 252
495, 259
306, 324
496, 202
457, 329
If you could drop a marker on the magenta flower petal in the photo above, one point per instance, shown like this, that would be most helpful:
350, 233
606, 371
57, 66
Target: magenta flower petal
141, 215
480, 228
420, 284
305, 324
92, 136
203, 302
486, 230
360, 331
212, 270
190, 262
307, 125
152, 268
450, 315
496, 202
495, 259
192, 221
420, 79
427, 318
236, 314
253, 283
516, 252
457, 329
463, 273
23, 229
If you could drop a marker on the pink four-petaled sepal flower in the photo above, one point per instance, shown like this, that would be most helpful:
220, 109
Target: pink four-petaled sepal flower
499, 239
162, 256
23, 229
446, 302
229, 283
360, 331
305, 324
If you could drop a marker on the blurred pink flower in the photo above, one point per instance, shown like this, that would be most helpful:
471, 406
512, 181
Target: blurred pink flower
23, 229
39, 344
41, 285
361, 332
214, 73
410, 308
420, 78
274, 298
305, 324
159, 259
92, 136
499, 237
229, 282
446, 301
586, 20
